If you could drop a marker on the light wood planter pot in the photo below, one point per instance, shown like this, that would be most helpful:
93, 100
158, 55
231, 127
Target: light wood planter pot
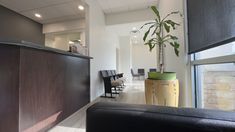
162, 92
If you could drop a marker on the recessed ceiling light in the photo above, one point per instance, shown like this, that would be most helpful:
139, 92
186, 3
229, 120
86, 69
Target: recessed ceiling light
37, 15
71, 42
80, 7
134, 28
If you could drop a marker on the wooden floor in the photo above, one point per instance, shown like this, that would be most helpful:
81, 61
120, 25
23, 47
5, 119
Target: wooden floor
133, 94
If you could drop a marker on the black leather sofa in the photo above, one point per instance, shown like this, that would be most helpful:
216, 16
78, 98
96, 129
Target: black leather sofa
112, 117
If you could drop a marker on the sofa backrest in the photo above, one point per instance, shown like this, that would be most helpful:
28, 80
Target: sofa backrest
112, 117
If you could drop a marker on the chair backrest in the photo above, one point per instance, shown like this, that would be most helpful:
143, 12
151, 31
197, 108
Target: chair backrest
104, 73
152, 70
109, 73
132, 72
141, 71
113, 72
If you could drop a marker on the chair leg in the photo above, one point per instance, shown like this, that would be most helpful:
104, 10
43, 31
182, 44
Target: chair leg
105, 96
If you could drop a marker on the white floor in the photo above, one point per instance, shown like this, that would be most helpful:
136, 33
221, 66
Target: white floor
133, 94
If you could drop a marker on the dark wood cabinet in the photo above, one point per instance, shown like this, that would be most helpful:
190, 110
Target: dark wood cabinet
38, 88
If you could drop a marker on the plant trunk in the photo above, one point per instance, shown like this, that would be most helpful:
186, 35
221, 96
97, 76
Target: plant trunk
161, 58
161, 54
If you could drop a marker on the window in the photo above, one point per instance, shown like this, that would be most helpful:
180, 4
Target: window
217, 87
214, 73
222, 50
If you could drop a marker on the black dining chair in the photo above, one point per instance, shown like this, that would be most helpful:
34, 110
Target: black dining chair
108, 85
134, 75
141, 72
152, 70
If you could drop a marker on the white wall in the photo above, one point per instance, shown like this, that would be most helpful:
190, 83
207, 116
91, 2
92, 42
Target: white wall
215, 52
101, 42
101, 49
125, 56
121, 30
112, 39
78, 25
61, 40
143, 58
173, 63
128, 17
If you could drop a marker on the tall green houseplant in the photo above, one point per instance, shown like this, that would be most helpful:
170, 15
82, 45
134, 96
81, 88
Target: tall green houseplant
159, 34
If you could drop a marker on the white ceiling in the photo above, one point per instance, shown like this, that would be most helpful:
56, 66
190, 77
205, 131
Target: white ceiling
50, 10
116, 6
60, 10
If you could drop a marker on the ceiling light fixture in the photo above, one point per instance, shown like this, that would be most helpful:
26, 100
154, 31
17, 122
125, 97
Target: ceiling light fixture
71, 42
37, 15
135, 36
134, 28
80, 7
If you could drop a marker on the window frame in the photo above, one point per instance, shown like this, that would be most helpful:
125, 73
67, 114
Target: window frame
194, 73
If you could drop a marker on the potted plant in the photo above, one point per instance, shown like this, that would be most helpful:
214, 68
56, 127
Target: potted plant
159, 35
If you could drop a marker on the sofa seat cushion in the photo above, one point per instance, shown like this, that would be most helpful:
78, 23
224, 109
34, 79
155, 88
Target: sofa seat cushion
116, 83
123, 79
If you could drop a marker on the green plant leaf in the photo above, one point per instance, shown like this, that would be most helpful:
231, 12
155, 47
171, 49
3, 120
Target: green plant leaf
172, 23
155, 30
167, 28
175, 12
172, 13
147, 24
155, 10
147, 33
152, 40
172, 44
151, 46
176, 52
167, 36
173, 37
151, 43
177, 45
